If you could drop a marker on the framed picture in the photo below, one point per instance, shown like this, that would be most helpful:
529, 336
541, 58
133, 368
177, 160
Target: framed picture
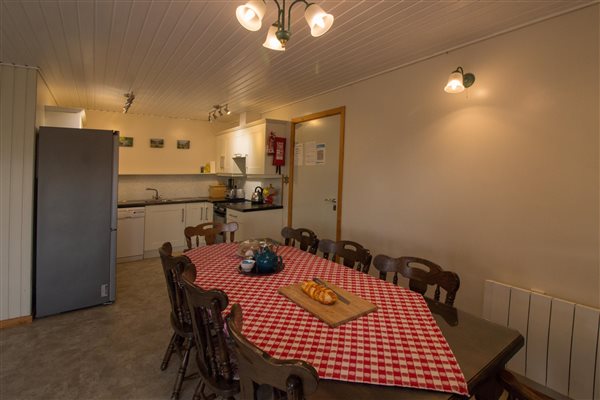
183, 144
157, 143
125, 141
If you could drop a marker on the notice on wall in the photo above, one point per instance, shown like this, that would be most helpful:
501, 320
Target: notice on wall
299, 154
320, 160
310, 153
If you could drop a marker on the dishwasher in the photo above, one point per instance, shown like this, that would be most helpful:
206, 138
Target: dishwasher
130, 234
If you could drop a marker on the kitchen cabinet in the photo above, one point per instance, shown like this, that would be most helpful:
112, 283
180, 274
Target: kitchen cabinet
249, 142
198, 213
166, 222
257, 224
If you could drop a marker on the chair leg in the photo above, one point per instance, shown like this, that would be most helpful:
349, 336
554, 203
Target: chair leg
167, 357
187, 346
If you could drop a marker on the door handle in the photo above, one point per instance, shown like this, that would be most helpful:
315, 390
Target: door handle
332, 200
182, 215
202, 214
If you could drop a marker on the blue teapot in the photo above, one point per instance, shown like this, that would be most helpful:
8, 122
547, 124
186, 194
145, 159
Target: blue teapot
267, 260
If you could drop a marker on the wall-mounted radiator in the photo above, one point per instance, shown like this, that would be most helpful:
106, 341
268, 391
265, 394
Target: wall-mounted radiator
561, 349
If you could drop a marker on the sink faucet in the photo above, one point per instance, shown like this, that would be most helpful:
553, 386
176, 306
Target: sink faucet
155, 196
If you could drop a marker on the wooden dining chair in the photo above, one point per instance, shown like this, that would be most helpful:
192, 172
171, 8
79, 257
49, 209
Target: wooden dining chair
215, 365
182, 339
230, 228
517, 390
420, 278
207, 230
327, 249
307, 240
353, 255
291, 379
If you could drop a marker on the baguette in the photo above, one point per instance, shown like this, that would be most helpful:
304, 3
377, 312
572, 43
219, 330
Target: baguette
319, 292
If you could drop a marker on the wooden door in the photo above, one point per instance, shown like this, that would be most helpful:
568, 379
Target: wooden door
316, 171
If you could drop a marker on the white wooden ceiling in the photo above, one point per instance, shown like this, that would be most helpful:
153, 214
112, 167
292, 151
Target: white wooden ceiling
181, 57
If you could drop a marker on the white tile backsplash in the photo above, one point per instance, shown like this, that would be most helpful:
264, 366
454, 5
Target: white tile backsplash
133, 187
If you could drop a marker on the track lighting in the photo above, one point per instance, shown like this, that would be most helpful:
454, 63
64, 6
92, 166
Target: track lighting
250, 16
218, 108
458, 81
129, 100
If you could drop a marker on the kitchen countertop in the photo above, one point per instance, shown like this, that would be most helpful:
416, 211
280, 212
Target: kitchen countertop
246, 206
142, 203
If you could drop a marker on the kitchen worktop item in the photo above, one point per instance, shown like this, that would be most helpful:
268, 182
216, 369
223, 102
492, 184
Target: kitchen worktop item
216, 191
335, 314
257, 196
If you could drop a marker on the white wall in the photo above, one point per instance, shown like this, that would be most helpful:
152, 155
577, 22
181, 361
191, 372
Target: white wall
500, 183
17, 145
142, 159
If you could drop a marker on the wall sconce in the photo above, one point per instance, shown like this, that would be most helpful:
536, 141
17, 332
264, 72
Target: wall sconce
458, 81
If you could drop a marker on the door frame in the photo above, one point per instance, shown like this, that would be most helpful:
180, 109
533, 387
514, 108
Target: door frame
341, 111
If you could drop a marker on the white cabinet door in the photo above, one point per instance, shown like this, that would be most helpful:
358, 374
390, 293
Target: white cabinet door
164, 223
224, 162
236, 216
257, 224
255, 161
194, 213
208, 212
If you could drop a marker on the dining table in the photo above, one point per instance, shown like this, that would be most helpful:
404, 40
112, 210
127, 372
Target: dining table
410, 347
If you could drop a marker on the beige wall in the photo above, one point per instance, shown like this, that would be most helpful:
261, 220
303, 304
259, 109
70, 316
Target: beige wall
142, 159
500, 183
17, 160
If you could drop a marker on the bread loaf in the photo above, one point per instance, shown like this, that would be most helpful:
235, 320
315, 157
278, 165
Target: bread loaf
319, 292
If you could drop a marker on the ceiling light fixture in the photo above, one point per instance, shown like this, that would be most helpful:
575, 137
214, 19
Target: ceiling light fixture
458, 81
250, 16
130, 97
218, 108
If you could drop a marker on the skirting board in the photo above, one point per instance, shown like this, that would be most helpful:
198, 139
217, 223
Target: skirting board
9, 323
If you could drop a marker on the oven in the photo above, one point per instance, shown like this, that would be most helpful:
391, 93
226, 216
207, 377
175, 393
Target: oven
219, 213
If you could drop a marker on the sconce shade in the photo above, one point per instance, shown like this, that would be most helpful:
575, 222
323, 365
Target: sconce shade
318, 20
458, 81
272, 42
250, 15
455, 83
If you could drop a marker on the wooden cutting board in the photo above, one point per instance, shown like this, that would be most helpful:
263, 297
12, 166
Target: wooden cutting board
334, 315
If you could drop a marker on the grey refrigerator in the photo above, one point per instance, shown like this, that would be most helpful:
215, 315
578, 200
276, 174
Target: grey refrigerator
76, 219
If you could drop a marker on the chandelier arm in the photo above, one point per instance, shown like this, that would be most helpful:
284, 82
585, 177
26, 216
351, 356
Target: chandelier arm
290, 11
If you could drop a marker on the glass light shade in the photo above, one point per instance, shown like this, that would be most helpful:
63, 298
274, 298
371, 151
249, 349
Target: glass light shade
455, 83
318, 20
250, 15
272, 42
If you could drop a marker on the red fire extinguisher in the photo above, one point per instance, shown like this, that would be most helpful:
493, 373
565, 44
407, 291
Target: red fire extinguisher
279, 153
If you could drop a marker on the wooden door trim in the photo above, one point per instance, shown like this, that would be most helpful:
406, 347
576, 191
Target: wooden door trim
341, 111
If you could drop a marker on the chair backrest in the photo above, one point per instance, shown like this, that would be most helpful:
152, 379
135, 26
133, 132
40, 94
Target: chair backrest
518, 390
420, 278
208, 230
173, 268
230, 228
327, 248
213, 356
306, 239
296, 378
353, 255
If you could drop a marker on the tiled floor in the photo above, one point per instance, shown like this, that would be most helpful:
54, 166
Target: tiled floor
104, 352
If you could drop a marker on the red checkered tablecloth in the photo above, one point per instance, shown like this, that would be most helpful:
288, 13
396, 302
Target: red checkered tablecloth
400, 344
